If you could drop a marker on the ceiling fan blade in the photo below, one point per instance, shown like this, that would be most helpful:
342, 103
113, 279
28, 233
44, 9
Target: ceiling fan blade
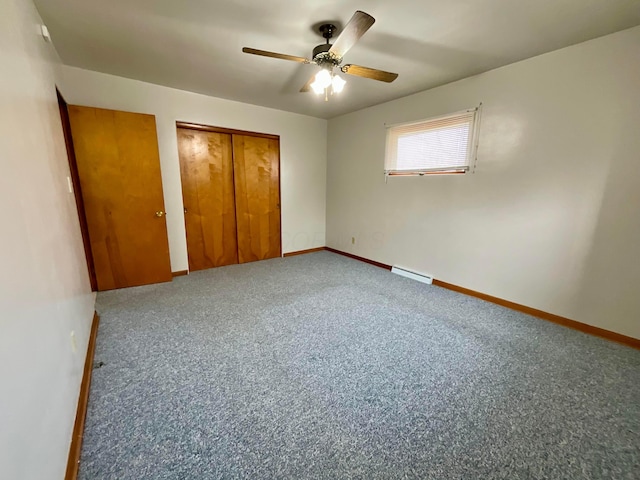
281, 56
307, 86
356, 28
367, 72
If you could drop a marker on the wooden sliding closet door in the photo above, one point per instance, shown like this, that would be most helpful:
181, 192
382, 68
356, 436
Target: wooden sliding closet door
206, 166
119, 170
256, 163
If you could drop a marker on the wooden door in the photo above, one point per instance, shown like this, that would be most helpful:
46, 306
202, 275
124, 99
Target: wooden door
256, 163
119, 169
206, 167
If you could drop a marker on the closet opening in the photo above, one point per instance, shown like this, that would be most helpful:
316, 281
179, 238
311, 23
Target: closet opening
231, 195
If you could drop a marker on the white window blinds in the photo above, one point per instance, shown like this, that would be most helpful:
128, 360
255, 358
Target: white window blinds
438, 145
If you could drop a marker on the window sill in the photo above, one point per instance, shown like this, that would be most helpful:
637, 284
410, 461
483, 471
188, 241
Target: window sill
424, 174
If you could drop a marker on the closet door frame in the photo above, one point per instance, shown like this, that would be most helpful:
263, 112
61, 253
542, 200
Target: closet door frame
77, 189
231, 131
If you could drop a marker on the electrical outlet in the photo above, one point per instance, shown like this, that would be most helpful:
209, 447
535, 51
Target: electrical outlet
74, 345
353, 240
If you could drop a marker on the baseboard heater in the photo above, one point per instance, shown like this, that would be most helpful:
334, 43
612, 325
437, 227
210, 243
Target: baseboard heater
421, 277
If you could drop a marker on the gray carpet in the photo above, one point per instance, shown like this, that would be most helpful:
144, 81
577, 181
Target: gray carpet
319, 366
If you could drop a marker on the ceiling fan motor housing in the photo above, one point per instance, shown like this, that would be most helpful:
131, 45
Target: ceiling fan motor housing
321, 50
324, 58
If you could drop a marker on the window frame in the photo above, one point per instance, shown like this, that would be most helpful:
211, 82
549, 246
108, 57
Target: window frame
472, 146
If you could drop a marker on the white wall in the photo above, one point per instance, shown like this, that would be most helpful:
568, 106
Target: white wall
303, 153
44, 285
550, 219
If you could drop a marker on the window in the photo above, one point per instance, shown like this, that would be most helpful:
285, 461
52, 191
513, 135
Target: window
439, 145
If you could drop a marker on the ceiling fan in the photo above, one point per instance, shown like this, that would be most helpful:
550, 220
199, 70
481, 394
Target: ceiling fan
329, 56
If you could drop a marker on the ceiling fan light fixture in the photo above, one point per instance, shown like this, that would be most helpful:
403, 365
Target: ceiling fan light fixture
337, 84
323, 78
317, 88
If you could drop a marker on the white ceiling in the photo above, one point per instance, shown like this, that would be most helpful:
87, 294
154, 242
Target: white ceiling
196, 44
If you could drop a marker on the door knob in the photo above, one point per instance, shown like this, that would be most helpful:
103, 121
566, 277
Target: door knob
160, 213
